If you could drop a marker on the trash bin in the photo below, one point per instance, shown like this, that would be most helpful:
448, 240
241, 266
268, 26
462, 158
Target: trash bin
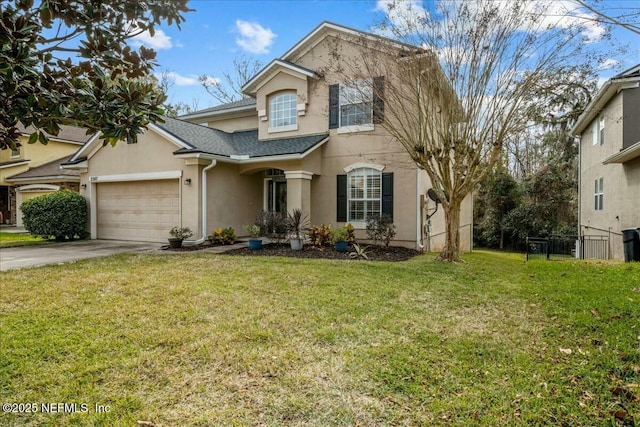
631, 242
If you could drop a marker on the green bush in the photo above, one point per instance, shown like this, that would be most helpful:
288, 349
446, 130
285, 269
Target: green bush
380, 229
61, 215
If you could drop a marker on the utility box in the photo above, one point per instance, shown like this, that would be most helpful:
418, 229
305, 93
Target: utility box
631, 242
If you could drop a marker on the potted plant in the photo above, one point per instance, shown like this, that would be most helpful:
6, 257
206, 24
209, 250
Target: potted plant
255, 242
178, 235
297, 225
341, 238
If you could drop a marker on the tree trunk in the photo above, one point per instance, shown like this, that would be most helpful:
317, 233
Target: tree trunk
451, 251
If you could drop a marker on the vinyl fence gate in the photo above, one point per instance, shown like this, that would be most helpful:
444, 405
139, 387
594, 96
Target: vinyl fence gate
568, 247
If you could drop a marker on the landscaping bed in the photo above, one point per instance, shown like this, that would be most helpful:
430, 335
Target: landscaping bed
372, 252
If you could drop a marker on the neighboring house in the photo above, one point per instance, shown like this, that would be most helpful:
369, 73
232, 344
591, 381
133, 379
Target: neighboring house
609, 179
35, 169
300, 140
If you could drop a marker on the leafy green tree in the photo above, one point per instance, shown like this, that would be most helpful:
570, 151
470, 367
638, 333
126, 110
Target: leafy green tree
68, 62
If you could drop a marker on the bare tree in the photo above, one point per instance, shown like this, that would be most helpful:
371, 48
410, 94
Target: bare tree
624, 14
453, 100
229, 89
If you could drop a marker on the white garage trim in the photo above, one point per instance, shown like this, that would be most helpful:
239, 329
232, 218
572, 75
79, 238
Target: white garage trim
143, 176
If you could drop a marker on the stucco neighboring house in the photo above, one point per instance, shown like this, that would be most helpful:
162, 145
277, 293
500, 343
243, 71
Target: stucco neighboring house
300, 139
609, 177
35, 169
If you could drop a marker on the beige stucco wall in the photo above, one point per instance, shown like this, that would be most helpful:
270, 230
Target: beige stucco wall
37, 154
232, 123
621, 182
233, 199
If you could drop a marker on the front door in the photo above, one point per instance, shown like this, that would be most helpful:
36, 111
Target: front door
277, 196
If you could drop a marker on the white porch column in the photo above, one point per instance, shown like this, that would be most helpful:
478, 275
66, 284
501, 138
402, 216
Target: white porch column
299, 190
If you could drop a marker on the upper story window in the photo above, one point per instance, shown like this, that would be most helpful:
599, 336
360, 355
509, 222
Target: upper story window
15, 152
283, 115
356, 106
601, 129
598, 131
356, 101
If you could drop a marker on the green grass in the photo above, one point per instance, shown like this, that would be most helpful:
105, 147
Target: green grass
10, 240
203, 340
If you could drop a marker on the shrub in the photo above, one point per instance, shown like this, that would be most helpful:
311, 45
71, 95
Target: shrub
181, 232
272, 224
223, 236
352, 233
61, 215
320, 235
380, 229
340, 234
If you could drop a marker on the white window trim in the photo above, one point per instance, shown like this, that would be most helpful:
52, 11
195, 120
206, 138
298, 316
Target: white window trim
594, 132
294, 116
601, 129
599, 191
287, 128
361, 223
355, 128
364, 127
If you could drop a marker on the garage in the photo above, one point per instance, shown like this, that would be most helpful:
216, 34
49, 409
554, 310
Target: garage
137, 210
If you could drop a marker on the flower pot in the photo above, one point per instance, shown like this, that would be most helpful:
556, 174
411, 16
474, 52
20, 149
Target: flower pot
175, 243
296, 244
255, 244
342, 246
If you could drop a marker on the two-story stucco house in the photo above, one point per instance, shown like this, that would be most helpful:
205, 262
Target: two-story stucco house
300, 139
609, 178
35, 169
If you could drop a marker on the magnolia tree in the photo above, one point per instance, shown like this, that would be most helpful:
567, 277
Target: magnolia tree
69, 62
455, 79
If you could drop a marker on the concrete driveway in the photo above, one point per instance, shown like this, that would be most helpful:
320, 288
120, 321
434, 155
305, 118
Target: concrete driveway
56, 253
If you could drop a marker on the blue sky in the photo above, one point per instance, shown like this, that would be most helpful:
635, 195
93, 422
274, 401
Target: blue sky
220, 30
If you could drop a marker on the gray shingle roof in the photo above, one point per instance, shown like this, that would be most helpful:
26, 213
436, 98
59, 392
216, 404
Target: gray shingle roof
244, 102
202, 139
67, 133
51, 169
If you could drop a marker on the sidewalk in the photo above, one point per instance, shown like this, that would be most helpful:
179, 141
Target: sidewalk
12, 229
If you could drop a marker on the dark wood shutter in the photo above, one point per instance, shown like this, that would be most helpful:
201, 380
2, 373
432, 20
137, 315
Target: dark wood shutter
378, 99
341, 215
334, 106
387, 194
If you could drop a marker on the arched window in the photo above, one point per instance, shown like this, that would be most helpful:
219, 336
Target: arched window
364, 194
282, 111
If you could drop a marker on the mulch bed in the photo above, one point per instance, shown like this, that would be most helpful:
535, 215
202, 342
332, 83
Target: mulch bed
374, 253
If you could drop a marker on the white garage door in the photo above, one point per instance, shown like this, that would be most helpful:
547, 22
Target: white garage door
139, 210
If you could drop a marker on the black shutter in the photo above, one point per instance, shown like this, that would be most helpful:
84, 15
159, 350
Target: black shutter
334, 106
378, 99
387, 194
341, 215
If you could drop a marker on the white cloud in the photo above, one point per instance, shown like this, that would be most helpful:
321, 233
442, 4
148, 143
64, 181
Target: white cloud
180, 80
609, 64
404, 15
159, 40
254, 38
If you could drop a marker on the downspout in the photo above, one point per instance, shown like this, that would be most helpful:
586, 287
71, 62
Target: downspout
204, 206
419, 242
579, 185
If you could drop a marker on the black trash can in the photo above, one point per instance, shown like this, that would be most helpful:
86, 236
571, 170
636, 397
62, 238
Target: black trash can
631, 242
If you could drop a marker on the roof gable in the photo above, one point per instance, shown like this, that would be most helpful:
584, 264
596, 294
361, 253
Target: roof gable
271, 70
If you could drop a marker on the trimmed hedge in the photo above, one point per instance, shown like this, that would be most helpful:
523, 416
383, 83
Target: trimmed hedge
61, 215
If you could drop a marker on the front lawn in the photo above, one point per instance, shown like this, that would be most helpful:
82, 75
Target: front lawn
207, 340
9, 240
